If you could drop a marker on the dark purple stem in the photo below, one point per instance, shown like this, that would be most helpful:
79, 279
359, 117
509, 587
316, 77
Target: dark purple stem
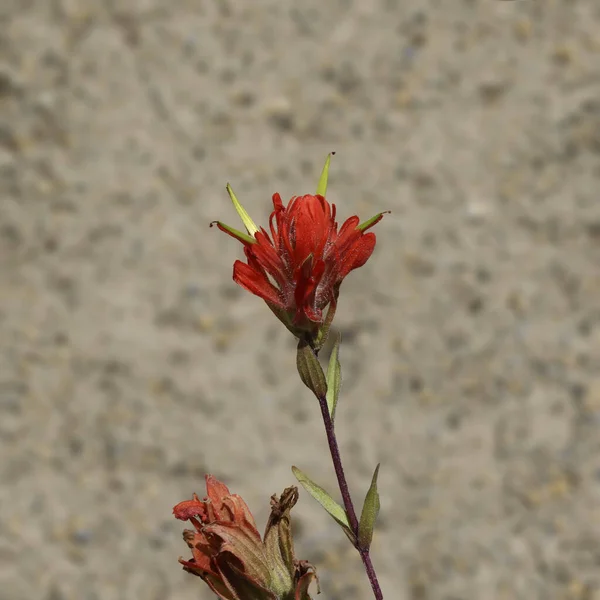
366, 558
348, 505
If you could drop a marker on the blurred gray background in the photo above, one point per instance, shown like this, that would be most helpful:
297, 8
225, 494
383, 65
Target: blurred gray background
131, 364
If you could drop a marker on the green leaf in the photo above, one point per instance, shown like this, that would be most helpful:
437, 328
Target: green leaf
241, 211
322, 187
236, 233
326, 501
334, 378
310, 369
372, 221
369, 514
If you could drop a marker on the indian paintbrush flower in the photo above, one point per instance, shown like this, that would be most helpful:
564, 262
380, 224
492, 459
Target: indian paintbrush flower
229, 554
297, 266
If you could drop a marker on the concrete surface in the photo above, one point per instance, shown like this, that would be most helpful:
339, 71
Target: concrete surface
131, 364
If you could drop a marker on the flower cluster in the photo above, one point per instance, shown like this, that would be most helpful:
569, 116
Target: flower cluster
298, 269
298, 265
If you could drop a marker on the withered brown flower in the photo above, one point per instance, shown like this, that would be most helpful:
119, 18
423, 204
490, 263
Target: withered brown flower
229, 554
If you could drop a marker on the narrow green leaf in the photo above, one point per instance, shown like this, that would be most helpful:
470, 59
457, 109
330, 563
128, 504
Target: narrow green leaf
369, 514
326, 501
236, 233
334, 378
310, 370
241, 211
322, 187
372, 221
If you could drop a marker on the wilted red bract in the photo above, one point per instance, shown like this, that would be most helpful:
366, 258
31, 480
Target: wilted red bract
229, 554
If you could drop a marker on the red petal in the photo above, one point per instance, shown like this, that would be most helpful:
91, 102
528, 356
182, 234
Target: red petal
268, 258
313, 293
357, 255
277, 215
347, 232
314, 315
202, 557
241, 515
313, 225
191, 565
257, 283
190, 508
284, 221
202, 552
304, 283
217, 491
277, 203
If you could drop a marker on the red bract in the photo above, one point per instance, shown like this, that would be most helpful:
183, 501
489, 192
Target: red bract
229, 554
298, 266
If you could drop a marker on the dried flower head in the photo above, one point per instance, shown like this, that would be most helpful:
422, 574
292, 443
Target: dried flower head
229, 554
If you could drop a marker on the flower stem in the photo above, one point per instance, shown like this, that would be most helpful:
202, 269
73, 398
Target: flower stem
347, 499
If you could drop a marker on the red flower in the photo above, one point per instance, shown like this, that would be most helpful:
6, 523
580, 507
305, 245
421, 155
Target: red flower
298, 266
228, 553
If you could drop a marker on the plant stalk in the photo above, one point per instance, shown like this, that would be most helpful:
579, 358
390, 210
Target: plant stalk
347, 499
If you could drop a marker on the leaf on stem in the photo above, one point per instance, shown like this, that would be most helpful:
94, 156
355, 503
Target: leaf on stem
310, 370
369, 514
334, 378
326, 501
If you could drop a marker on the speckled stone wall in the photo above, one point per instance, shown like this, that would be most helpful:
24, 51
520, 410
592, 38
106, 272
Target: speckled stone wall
131, 364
